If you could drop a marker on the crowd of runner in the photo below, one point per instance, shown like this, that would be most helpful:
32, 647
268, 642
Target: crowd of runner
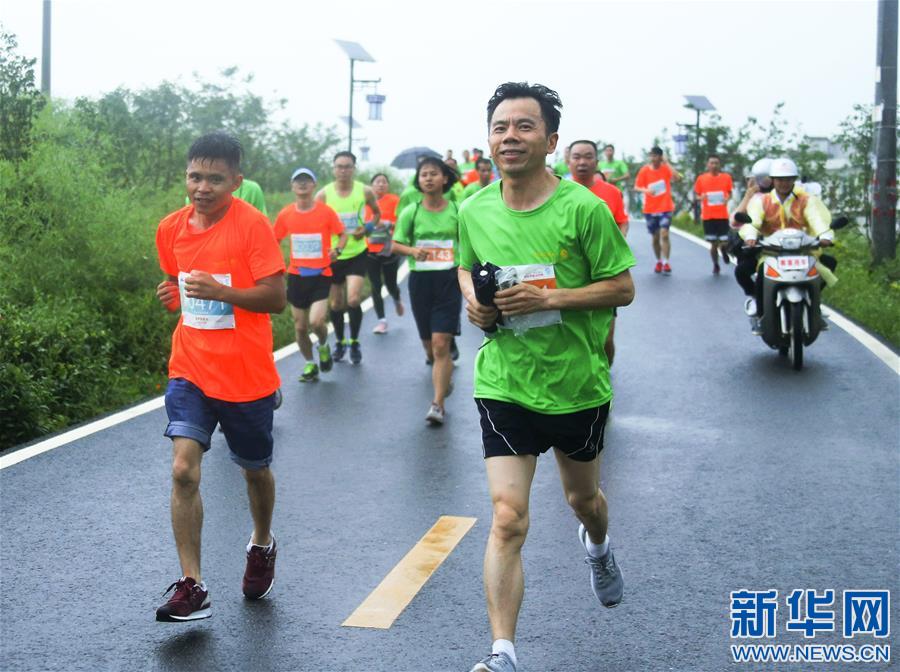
536, 257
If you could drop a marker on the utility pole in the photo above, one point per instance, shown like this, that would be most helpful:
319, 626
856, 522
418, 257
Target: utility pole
45, 52
884, 181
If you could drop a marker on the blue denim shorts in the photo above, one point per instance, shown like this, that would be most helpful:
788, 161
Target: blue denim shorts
657, 220
247, 425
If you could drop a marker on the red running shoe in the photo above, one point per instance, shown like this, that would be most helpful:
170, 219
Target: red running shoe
666, 269
189, 602
658, 268
259, 577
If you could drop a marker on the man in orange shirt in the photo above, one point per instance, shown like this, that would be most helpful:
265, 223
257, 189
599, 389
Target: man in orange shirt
714, 189
310, 224
654, 180
583, 169
471, 175
224, 271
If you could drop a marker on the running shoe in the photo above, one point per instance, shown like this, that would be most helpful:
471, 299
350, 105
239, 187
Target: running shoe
398, 306
259, 576
750, 306
658, 267
380, 327
496, 662
667, 270
435, 415
310, 373
606, 577
716, 269
189, 602
339, 351
325, 360
454, 351
355, 352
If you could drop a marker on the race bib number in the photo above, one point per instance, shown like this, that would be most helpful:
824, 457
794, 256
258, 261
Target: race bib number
440, 255
657, 188
715, 198
539, 275
350, 220
203, 313
306, 246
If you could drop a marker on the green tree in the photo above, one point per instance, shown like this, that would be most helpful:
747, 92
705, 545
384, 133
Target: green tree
20, 99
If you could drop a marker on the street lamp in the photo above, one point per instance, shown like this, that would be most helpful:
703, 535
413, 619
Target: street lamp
355, 52
699, 104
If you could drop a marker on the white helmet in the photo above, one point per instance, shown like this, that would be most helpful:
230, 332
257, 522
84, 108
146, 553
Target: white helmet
761, 168
783, 167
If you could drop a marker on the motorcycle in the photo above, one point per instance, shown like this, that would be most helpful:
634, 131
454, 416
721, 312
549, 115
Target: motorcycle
792, 281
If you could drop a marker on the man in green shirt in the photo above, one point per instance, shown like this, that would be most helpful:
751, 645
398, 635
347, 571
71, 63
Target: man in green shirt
542, 379
614, 170
485, 174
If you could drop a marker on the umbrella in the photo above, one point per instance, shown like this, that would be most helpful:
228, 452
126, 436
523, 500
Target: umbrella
408, 157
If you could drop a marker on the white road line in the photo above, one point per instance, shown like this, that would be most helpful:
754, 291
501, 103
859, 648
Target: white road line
876, 347
23, 454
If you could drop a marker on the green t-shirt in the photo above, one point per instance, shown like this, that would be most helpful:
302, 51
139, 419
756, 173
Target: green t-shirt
466, 167
571, 240
407, 196
456, 192
561, 168
617, 167
350, 210
471, 189
251, 192
437, 232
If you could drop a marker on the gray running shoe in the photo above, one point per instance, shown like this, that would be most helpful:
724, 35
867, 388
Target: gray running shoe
435, 415
496, 662
606, 577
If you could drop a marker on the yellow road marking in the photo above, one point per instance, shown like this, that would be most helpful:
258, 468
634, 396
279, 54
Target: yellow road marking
384, 604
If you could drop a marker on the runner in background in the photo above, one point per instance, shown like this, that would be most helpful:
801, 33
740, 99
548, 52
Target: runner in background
470, 174
428, 232
224, 270
456, 191
654, 181
309, 226
561, 168
583, 168
485, 176
714, 188
382, 262
467, 164
614, 170
348, 197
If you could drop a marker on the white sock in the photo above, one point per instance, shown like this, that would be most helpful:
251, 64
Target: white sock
383, 319
597, 550
250, 543
507, 647
202, 585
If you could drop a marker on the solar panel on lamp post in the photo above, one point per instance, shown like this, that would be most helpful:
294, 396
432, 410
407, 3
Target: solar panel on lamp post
355, 52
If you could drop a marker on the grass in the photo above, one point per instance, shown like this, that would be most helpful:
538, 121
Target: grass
867, 294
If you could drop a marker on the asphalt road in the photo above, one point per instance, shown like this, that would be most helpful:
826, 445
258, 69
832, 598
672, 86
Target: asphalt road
724, 468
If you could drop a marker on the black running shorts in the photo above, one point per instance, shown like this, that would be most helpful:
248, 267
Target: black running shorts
302, 292
353, 266
510, 429
436, 302
716, 229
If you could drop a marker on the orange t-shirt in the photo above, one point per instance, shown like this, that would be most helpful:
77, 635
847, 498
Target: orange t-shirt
613, 198
659, 181
224, 350
715, 190
470, 177
388, 206
310, 235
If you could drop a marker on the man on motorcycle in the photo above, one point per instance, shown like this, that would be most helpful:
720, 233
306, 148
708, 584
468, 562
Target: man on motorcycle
786, 206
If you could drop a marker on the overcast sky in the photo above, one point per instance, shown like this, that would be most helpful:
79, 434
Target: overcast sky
621, 68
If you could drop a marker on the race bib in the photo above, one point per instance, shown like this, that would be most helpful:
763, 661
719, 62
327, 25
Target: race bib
203, 313
306, 245
440, 255
657, 188
350, 220
715, 198
380, 235
540, 275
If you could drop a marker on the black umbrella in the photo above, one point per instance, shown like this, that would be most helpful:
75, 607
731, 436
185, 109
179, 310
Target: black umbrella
408, 158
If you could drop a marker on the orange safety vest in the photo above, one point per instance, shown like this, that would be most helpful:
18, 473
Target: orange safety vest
775, 216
